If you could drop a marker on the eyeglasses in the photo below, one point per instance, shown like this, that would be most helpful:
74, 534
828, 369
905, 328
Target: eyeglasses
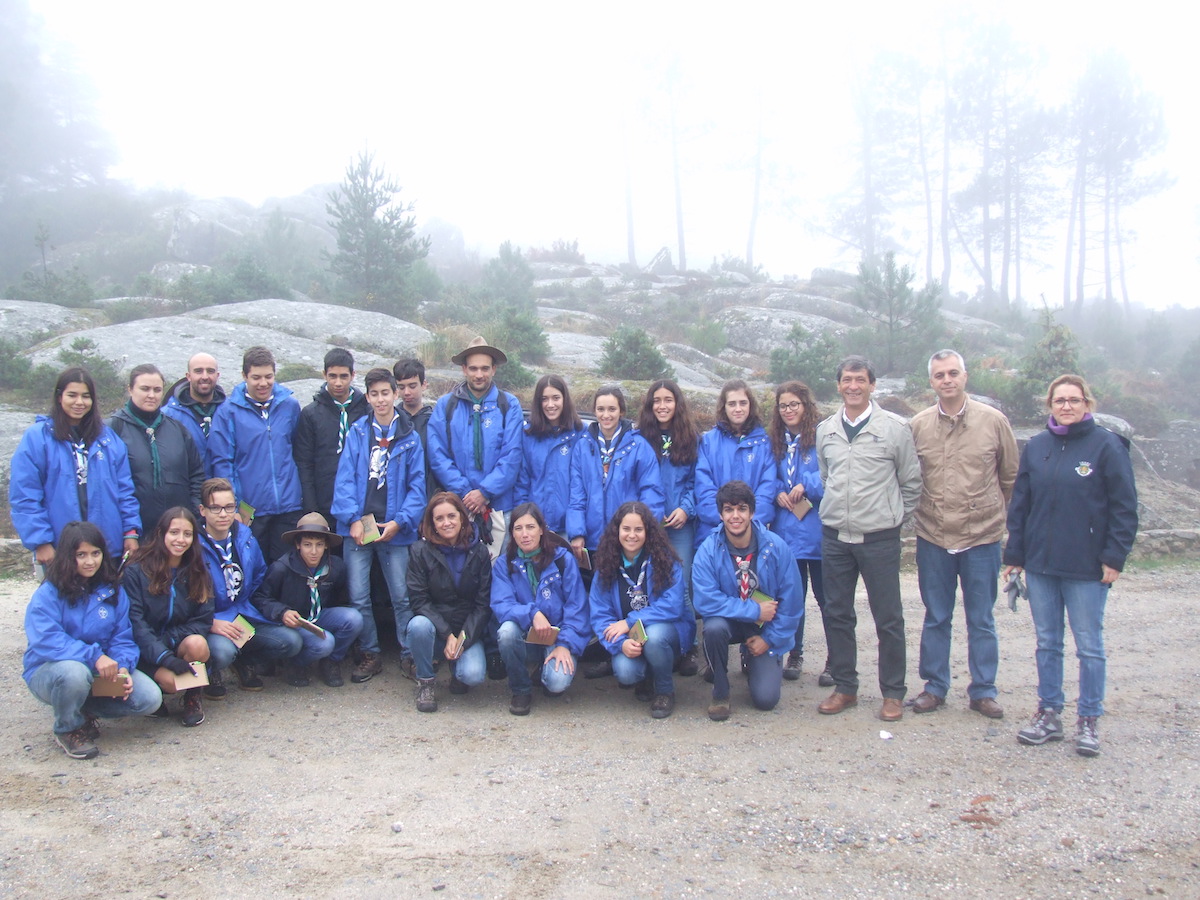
228, 510
1067, 401
789, 407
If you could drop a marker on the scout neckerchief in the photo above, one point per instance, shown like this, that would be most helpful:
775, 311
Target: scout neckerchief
665, 450
206, 411
477, 430
314, 594
343, 420
607, 448
381, 440
264, 408
151, 423
637, 589
229, 568
79, 452
793, 445
530, 572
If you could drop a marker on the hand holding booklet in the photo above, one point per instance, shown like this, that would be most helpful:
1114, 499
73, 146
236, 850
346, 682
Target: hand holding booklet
532, 638
802, 507
637, 632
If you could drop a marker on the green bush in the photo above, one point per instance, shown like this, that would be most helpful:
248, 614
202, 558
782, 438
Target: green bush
708, 337
630, 355
812, 358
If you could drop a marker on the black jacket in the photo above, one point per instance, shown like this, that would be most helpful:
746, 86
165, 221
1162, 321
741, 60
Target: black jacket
315, 447
420, 425
161, 621
451, 608
286, 587
181, 462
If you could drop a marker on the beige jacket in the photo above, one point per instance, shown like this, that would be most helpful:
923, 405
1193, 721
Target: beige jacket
968, 467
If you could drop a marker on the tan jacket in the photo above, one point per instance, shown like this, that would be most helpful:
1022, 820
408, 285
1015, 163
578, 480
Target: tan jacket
968, 467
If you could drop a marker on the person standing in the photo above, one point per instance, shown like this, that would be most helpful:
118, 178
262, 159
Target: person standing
167, 467
546, 445
250, 445
193, 401
322, 428
968, 458
872, 484
1071, 525
411, 383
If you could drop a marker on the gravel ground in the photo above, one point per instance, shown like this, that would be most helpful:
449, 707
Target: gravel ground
316, 791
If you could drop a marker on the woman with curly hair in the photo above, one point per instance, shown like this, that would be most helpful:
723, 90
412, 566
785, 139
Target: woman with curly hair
667, 425
171, 606
637, 605
793, 433
449, 587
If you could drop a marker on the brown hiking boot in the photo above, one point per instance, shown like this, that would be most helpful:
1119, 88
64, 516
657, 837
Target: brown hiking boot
368, 667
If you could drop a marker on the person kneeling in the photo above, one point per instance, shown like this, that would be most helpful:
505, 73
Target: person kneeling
308, 590
539, 600
449, 588
744, 585
637, 605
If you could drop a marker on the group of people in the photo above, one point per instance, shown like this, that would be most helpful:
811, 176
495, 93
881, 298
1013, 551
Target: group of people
240, 531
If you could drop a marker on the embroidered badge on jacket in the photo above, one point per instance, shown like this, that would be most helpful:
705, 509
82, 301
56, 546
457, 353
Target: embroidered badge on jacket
1084, 469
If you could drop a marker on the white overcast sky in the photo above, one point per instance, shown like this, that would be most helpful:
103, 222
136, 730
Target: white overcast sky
509, 120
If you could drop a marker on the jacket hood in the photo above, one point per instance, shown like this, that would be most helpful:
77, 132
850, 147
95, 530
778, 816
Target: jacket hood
326, 399
182, 392
462, 392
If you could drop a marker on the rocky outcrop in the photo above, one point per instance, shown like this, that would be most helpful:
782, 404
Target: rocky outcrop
22, 321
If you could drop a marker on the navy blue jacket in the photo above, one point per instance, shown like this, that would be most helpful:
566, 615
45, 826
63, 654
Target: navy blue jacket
1074, 504
161, 621
181, 466
315, 446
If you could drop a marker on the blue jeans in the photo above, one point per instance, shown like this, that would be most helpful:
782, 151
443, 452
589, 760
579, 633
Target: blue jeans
393, 560
765, 671
658, 655
683, 542
810, 573
470, 668
516, 653
270, 642
342, 625
939, 573
1083, 602
67, 686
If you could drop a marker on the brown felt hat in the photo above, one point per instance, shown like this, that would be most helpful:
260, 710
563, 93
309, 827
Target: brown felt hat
479, 344
313, 523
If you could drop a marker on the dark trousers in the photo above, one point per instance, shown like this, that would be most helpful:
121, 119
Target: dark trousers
878, 562
810, 573
765, 671
269, 531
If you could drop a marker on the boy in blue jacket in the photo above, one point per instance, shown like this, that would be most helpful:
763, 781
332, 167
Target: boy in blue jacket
733, 565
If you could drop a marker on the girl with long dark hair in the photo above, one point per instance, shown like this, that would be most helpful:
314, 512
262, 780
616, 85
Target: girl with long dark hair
553, 428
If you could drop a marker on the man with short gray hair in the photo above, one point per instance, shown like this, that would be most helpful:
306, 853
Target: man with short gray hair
968, 460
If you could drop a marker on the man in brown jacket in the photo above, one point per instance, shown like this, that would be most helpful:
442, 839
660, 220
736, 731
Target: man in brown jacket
968, 460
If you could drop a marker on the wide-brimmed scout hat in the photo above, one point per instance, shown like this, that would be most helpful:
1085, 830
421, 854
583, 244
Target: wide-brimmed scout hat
479, 344
313, 523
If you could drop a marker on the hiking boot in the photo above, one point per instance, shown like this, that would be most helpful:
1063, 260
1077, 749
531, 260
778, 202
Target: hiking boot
1087, 741
193, 708
795, 662
600, 669
296, 675
689, 664
330, 671
456, 686
1044, 726
520, 703
215, 689
718, 710
644, 690
91, 728
497, 671
76, 744
248, 679
408, 668
426, 701
825, 679
368, 667
663, 705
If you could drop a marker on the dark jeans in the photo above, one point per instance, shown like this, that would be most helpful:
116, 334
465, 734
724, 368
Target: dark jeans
269, 531
810, 573
765, 671
878, 562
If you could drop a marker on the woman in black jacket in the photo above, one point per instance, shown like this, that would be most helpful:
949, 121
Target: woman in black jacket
1071, 524
167, 467
449, 587
171, 606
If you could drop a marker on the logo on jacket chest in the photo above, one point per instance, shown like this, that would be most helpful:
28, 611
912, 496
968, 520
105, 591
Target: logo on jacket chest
102, 612
1084, 469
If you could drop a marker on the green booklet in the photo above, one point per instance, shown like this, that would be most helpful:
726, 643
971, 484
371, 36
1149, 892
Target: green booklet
638, 632
247, 630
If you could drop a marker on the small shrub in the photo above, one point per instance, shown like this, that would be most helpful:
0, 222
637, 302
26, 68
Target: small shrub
708, 337
560, 251
297, 372
631, 355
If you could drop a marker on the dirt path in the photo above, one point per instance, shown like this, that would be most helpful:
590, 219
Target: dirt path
351, 792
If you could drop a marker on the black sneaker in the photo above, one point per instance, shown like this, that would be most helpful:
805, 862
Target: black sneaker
330, 671
76, 744
497, 671
193, 708
456, 686
162, 712
297, 675
599, 669
795, 663
248, 679
520, 704
1087, 740
644, 690
689, 664
215, 689
1044, 726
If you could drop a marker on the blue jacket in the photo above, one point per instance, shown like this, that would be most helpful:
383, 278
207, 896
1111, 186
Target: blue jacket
560, 597
256, 454
254, 570
632, 475
715, 588
545, 476
679, 486
42, 488
665, 608
405, 484
803, 536
452, 453
182, 408
96, 624
1074, 504
723, 458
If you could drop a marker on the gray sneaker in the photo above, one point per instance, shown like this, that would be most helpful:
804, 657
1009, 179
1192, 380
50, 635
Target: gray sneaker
1044, 726
1087, 741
